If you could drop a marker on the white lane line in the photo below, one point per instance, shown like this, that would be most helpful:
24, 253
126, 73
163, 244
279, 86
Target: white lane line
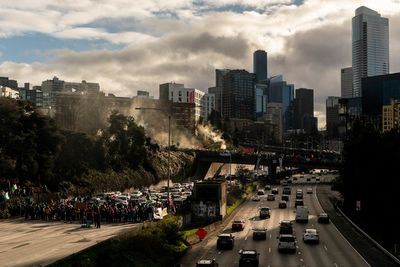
269, 250
245, 238
270, 236
325, 248
301, 260
336, 264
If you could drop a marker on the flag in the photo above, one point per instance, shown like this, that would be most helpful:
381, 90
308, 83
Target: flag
6, 196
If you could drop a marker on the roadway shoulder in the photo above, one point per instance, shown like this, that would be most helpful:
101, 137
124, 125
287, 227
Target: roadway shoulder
374, 256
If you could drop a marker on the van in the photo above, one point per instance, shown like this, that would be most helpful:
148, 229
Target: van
302, 214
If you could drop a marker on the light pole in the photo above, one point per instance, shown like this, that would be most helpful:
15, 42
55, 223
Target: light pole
168, 151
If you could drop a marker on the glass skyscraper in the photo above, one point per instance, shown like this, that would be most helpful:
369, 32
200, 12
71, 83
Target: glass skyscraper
370, 46
260, 67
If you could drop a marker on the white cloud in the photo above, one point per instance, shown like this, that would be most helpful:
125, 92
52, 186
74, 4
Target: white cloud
184, 41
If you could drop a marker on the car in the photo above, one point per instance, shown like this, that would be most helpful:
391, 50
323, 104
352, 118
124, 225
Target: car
259, 233
260, 192
248, 258
286, 227
294, 178
284, 183
309, 190
282, 204
274, 191
225, 241
311, 236
267, 187
308, 179
207, 263
298, 202
285, 197
299, 195
317, 179
287, 191
287, 242
270, 197
323, 218
265, 212
255, 198
238, 225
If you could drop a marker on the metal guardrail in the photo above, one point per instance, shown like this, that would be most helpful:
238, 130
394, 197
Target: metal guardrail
393, 257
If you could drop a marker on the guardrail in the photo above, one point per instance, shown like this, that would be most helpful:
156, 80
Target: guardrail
368, 237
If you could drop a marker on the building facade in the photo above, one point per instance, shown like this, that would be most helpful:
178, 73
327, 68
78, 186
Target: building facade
165, 90
238, 94
207, 105
332, 116
260, 66
370, 46
303, 107
346, 82
390, 116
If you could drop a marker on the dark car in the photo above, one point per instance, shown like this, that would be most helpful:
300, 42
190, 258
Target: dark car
274, 191
286, 227
267, 187
207, 263
285, 197
323, 218
265, 212
308, 179
248, 258
298, 202
282, 204
259, 234
225, 241
238, 225
287, 191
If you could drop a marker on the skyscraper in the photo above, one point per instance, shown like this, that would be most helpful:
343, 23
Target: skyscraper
370, 46
238, 95
332, 116
260, 68
346, 82
304, 109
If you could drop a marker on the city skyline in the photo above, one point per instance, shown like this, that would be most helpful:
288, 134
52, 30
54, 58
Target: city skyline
126, 49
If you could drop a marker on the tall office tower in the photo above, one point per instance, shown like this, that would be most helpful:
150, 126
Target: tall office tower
260, 67
238, 95
281, 92
346, 82
303, 108
332, 116
370, 44
166, 90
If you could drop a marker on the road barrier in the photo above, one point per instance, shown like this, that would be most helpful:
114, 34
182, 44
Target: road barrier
367, 236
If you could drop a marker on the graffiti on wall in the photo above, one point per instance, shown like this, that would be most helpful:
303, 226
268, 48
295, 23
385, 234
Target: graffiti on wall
205, 209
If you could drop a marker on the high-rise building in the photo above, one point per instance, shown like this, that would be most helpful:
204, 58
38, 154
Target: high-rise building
281, 92
207, 105
376, 92
166, 89
274, 116
261, 100
390, 116
217, 89
370, 46
260, 67
346, 82
304, 108
5, 81
332, 116
238, 94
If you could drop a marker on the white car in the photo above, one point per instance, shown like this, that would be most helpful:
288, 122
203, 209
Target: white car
309, 190
255, 198
311, 236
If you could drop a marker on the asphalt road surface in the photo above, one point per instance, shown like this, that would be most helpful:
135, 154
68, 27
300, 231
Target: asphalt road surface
35, 243
333, 250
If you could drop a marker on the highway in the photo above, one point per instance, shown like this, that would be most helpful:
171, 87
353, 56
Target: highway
333, 249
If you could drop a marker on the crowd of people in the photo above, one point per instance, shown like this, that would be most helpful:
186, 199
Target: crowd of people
80, 210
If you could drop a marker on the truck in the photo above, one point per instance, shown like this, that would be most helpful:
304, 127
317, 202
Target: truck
302, 214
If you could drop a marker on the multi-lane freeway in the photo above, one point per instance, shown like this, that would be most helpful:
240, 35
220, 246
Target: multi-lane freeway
333, 249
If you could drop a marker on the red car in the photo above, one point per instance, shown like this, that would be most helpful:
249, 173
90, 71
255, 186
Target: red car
238, 225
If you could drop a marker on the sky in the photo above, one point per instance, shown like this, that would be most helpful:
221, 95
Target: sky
130, 45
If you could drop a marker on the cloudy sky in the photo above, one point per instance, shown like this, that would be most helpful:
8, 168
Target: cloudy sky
130, 45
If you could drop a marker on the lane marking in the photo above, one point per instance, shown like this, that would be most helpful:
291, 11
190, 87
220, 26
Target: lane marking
269, 250
336, 264
325, 248
301, 260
